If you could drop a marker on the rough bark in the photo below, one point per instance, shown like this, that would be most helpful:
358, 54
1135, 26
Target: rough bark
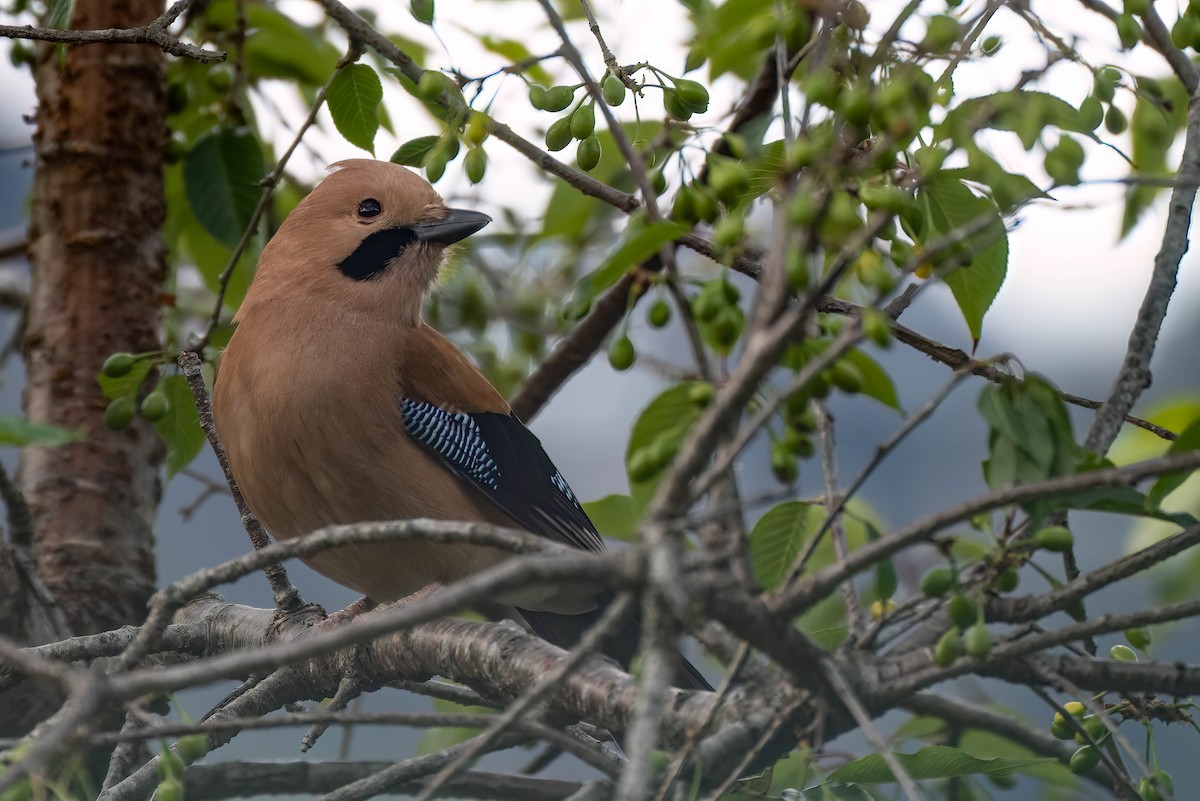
97, 270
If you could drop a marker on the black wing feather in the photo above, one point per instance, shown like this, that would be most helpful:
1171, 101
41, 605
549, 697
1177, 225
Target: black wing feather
502, 458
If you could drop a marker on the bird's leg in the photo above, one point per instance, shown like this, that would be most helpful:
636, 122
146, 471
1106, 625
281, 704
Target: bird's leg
425, 593
342, 616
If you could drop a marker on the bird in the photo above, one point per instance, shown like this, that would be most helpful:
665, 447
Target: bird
337, 404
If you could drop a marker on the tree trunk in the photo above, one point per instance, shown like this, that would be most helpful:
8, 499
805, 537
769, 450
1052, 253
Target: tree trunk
98, 264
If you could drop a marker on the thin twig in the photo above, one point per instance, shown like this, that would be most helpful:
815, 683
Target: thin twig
287, 597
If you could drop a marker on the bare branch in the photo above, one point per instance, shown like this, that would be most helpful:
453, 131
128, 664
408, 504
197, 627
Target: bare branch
155, 33
1134, 376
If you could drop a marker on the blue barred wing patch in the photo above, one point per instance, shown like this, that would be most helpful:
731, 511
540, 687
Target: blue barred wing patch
502, 458
454, 437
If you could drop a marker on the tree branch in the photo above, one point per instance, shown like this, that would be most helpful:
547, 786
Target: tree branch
155, 33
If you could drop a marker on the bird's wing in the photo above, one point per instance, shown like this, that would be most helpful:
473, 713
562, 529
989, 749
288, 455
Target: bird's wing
502, 458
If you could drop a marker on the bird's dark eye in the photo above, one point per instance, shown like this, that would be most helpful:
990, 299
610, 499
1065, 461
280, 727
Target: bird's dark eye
370, 208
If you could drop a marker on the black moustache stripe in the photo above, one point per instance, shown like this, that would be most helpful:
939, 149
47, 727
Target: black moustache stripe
372, 255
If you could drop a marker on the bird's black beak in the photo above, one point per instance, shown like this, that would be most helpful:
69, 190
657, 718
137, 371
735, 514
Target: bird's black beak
454, 227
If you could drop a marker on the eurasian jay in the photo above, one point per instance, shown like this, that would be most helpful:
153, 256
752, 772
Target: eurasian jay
337, 404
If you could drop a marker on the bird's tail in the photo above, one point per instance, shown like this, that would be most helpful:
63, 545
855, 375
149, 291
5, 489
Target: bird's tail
566, 630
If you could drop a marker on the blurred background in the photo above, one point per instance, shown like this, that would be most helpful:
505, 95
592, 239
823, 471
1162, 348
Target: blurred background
1071, 294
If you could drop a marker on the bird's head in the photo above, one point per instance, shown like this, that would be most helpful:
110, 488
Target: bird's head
371, 238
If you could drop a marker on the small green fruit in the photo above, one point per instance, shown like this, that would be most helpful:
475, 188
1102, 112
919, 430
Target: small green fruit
119, 364
169, 790
783, 464
155, 406
1008, 580
435, 165
1128, 31
683, 209
991, 45
558, 98
937, 581
674, 107
583, 121
1084, 760
1095, 730
432, 84
961, 610
877, 328
949, 648
119, 413
701, 393
621, 354
558, 135
659, 314
613, 90
192, 747
1122, 653
1115, 121
219, 78
537, 97
588, 153
170, 766
1140, 638
728, 231
692, 95
477, 128
978, 641
476, 164
941, 34
1054, 538
1060, 727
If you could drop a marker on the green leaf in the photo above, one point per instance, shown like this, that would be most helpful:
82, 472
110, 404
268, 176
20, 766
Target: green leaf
180, 427
638, 246
777, 538
221, 179
1031, 437
930, 762
662, 424
1153, 129
516, 52
945, 205
21, 432
1117, 500
413, 152
354, 95
614, 516
877, 383
1021, 111
276, 46
58, 14
1189, 440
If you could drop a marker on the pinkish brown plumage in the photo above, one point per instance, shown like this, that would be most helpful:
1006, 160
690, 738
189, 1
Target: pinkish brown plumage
337, 404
